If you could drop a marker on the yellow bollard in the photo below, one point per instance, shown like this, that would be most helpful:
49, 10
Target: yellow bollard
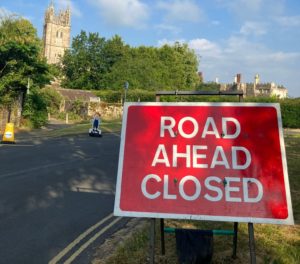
9, 135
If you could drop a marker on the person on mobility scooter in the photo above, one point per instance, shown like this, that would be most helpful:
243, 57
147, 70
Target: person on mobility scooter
95, 131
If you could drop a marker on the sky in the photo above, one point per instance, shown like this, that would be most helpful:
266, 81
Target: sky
229, 36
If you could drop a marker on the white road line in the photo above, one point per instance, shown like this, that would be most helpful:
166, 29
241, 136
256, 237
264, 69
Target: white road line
90, 241
47, 166
17, 145
78, 239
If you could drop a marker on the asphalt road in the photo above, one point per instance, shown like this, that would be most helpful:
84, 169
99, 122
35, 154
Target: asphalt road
56, 198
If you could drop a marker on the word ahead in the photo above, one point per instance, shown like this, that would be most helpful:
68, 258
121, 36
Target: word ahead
218, 161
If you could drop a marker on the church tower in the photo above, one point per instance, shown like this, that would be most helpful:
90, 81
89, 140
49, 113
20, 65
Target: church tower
56, 36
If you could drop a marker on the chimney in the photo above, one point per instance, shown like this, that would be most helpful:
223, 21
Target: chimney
200, 75
238, 78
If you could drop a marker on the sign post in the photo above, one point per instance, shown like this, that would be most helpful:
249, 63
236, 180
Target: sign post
126, 86
203, 161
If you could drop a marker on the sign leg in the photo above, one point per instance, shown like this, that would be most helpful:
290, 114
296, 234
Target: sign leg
235, 239
251, 243
162, 236
152, 241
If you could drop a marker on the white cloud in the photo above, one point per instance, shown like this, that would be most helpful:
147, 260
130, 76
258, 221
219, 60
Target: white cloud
253, 28
63, 4
288, 21
128, 13
166, 27
206, 48
184, 10
240, 55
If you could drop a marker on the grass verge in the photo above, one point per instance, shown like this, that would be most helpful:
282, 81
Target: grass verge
112, 126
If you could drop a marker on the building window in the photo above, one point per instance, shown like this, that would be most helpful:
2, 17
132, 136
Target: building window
59, 34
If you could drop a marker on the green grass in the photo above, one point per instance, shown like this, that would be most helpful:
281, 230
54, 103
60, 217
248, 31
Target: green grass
274, 243
112, 126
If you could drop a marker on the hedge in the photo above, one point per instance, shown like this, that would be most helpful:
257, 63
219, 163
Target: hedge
290, 108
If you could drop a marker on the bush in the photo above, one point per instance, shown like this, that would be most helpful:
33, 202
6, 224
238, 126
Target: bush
35, 110
290, 111
52, 99
290, 108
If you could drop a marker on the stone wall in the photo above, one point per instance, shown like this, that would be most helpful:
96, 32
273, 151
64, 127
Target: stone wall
111, 111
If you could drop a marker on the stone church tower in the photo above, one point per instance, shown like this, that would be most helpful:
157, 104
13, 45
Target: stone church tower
56, 36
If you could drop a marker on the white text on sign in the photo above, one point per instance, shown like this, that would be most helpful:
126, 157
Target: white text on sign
213, 188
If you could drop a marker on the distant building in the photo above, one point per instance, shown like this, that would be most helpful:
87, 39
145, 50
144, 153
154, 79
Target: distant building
88, 102
56, 36
255, 89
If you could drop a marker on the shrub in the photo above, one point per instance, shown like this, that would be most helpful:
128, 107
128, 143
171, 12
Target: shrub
35, 109
290, 108
52, 99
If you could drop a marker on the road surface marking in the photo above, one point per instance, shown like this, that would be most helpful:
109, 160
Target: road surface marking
90, 241
43, 167
17, 145
78, 239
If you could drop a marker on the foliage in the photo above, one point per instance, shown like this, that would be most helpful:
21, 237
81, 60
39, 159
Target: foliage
89, 59
19, 30
96, 63
149, 68
211, 86
20, 59
35, 109
52, 99
290, 111
77, 107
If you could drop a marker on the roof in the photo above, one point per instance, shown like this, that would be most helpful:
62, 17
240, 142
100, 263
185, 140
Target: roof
75, 94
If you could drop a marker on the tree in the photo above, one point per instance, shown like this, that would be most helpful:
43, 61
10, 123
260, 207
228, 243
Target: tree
20, 58
96, 63
150, 68
90, 58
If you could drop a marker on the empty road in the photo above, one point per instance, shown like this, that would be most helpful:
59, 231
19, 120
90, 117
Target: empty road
57, 197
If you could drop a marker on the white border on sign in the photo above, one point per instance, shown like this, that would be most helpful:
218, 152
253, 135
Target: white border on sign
118, 212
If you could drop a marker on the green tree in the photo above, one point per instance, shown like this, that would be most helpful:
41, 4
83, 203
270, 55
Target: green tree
88, 61
150, 68
96, 63
20, 58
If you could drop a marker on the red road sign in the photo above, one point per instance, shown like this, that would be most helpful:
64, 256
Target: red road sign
208, 161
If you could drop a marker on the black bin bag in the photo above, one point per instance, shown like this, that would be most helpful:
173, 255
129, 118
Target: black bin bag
194, 246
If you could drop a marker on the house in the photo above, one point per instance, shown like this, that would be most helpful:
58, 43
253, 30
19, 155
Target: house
256, 88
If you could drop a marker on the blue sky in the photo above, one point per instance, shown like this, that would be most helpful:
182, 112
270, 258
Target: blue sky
229, 36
